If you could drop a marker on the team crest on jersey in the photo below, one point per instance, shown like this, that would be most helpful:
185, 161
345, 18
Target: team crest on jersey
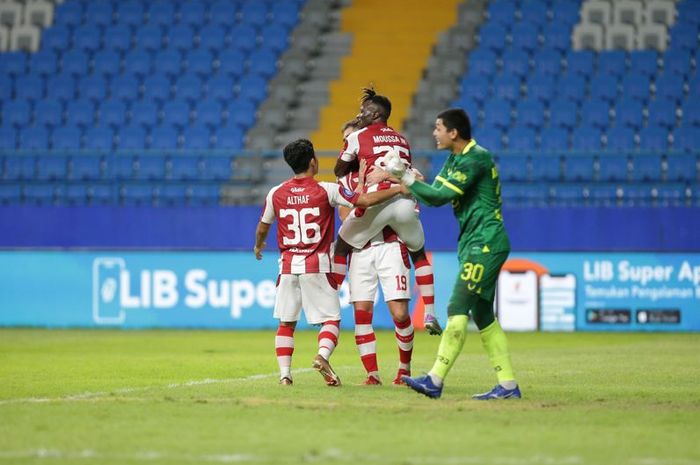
347, 192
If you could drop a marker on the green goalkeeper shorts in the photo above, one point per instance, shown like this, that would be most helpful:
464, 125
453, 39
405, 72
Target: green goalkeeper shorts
476, 280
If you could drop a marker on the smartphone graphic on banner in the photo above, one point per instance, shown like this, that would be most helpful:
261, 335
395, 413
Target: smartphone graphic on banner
517, 300
106, 305
558, 302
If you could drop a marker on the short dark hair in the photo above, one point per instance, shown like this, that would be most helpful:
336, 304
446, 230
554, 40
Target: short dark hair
384, 104
298, 155
456, 118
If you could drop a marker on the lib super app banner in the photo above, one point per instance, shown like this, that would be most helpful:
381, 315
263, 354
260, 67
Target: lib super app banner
229, 290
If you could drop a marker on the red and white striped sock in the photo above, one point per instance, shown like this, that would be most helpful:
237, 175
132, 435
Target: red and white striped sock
328, 338
404, 339
284, 347
366, 342
340, 268
426, 285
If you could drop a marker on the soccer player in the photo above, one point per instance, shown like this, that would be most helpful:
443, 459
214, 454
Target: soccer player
371, 143
384, 260
304, 209
469, 181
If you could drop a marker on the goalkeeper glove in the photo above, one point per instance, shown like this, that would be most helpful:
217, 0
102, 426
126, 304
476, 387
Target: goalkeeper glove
397, 168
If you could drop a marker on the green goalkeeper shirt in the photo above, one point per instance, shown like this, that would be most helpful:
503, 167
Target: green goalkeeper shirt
470, 181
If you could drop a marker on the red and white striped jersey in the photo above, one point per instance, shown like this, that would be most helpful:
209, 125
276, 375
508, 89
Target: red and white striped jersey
372, 143
305, 213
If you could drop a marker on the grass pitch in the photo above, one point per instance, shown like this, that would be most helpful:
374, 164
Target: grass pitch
184, 397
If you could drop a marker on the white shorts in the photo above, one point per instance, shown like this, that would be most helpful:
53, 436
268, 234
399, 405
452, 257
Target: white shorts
312, 292
399, 212
384, 263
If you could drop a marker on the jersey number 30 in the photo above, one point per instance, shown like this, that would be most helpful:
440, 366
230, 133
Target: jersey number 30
303, 230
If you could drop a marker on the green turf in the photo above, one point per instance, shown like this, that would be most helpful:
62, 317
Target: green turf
171, 397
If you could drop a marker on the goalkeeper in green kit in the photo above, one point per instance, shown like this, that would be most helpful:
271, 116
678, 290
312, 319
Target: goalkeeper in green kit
469, 180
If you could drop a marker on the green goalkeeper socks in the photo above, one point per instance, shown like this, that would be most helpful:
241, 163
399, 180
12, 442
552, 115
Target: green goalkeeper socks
494, 341
451, 345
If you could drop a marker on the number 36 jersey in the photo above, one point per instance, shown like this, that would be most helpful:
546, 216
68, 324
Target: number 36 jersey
305, 213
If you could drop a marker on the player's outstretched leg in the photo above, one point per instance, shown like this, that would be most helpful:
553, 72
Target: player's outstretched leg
327, 341
425, 280
366, 342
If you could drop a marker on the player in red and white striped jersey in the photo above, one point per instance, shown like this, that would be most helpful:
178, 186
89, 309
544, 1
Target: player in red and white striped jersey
305, 214
371, 143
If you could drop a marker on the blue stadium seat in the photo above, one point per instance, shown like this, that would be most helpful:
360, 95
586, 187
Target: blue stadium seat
581, 62
579, 168
522, 138
196, 137
525, 36
507, 87
212, 37
502, 11
13, 63
186, 168
43, 62
122, 167
571, 87
8, 138
93, 87
34, 137
48, 112
612, 62
662, 113
613, 168
112, 112
69, 13
188, 87
6, 85
546, 168
232, 63
99, 13
684, 36
131, 137
10, 194
567, 194
242, 113
482, 62
220, 87
686, 139
19, 168
124, 87
180, 37
681, 168
534, 11
150, 167
694, 87
557, 35
149, 37
670, 194
192, 13
644, 62
76, 194
653, 139
586, 138
87, 38
144, 113
117, 37
263, 63
691, 114
494, 36
223, 12
548, 61
176, 113
541, 87
66, 138
554, 139
621, 139
164, 137
156, 87
516, 63
566, 12
636, 87
274, 38
29, 87
130, 12
530, 113
86, 168
204, 195
498, 113
136, 194
489, 137
252, 88
603, 194
167, 62
173, 195
475, 89
244, 37
107, 63
199, 62
603, 87
254, 13
209, 112
40, 194
513, 168
646, 167
677, 62
216, 168
99, 138
51, 168
75, 62
162, 13
229, 137
285, 13
595, 113
669, 86
629, 113
56, 38
636, 194
563, 113
138, 62
16, 112
80, 112
100, 195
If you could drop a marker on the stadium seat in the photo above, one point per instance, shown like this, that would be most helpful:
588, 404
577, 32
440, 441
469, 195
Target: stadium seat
10, 194
546, 168
117, 37
66, 138
621, 139
548, 61
179, 37
176, 113
204, 195
93, 87
19, 168
489, 137
670, 194
16, 112
629, 113
136, 194
112, 112
130, 12
242, 113
150, 167
56, 38
87, 38
502, 11
122, 168
262, 63
52, 168
168, 62
691, 114
525, 36
13, 63
513, 168
149, 37
482, 62
107, 63
563, 113
138, 62
5, 88
571, 87
686, 139
75, 62
164, 137
475, 88
684, 36
498, 114
254, 13
232, 63
212, 37
677, 62
613, 168
186, 168
188, 87
191, 13
557, 35
530, 113
131, 137
493, 36
86, 168
173, 195
567, 194
285, 13
34, 138
681, 168
99, 13
603, 87
580, 62
244, 37
662, 113
603, 194
541, 87
252, 88
199, 62
669, 86
99, 138
612, 62
209, 112
646, 168
274, 38
522, 138
29, 87
80, 112
554, 139
653, 139
162, 13
43, 62
643, 62
40, 194
217, 168
579, 168
196, 138
534, 11
586, 138
223, 12
507, 87
636, 87
124, 87
48, 112
156, 87
8, 138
